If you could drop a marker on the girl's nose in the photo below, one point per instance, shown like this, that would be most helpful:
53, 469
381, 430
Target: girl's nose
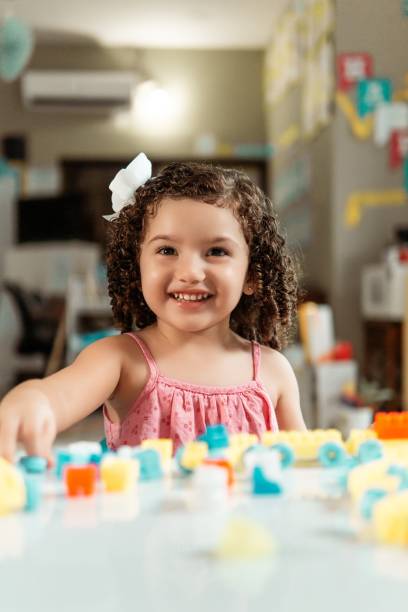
190, 270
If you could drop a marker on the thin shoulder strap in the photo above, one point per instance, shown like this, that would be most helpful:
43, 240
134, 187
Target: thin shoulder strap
146, 353
256, 359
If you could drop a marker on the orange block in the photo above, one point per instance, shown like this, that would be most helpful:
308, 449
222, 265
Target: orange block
391, 425
80, 479
226, 465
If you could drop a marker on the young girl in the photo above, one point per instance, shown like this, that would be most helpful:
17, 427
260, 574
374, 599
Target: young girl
197, 266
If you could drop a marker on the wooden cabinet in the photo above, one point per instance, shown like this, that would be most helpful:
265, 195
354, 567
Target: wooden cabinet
383, 360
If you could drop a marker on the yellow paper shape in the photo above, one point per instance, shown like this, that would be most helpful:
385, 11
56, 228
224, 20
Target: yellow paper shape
355, 202
362, 127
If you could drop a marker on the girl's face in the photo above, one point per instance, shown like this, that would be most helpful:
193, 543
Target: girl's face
193, 264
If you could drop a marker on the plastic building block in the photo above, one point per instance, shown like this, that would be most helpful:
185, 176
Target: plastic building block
371, 475
261, 485
370, 450
224, 464
84, 452
165, 448
210, 487
356, 437
12, 488
390, 519
286, 454
391, 425
190, 456
305, 444
33, 487
244, 539
150, 467
80, 479
104, 445
33, 464
368, 501
332, 454
239, 443
119, 473
216, 436
63, 459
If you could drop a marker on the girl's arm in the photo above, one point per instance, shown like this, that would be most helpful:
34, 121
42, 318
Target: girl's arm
288, 411
36, 410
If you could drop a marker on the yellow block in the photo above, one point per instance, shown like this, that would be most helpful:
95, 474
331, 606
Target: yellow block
164, 446
390, 519
357, 437
369, 475
305, 444
119, 474
244, 539
194, 454
12, 488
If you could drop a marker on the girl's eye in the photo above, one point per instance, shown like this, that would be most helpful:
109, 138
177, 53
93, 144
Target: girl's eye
166, 250
217, 252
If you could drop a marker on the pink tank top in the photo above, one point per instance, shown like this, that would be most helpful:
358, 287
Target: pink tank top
168, 408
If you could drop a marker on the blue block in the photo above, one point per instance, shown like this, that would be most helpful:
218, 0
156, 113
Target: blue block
287, 456
370, 450
33, 464
63, 458
368, 501
216, 437
33, 486
262, 486
332, 454
104, 445
150, 464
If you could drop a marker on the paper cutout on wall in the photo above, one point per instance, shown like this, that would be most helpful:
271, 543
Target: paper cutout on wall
398, 147
318, 88
351, 67
288, 138
402, 94
282, 58
388, 117
361, 127
371, 93
356, 201
404, 7
292, 182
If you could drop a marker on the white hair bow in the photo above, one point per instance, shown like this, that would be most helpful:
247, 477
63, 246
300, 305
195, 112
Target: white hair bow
127, 181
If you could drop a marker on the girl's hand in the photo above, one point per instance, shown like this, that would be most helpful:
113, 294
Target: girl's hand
27, 417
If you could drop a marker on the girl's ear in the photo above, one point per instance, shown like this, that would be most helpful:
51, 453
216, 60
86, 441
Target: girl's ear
248, 289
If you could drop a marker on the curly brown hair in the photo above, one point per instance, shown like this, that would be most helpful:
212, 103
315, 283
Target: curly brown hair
266, 316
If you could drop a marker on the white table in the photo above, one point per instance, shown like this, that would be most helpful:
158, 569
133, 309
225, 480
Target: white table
146, 551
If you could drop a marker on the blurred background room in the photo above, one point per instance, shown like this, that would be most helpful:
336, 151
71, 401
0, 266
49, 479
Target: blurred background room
309, 97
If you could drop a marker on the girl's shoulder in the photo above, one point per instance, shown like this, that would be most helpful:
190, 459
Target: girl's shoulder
121, 346
274, 364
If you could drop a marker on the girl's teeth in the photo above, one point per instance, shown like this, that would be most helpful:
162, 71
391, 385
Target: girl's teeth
190, 298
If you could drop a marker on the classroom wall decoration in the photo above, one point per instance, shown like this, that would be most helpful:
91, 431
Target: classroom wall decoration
362, 127
351, 67
379, 112
398, 147
389, 117
371, 93
302, 52
356, 202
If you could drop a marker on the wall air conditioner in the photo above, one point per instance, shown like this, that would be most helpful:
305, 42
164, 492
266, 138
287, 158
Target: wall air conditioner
79, 90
